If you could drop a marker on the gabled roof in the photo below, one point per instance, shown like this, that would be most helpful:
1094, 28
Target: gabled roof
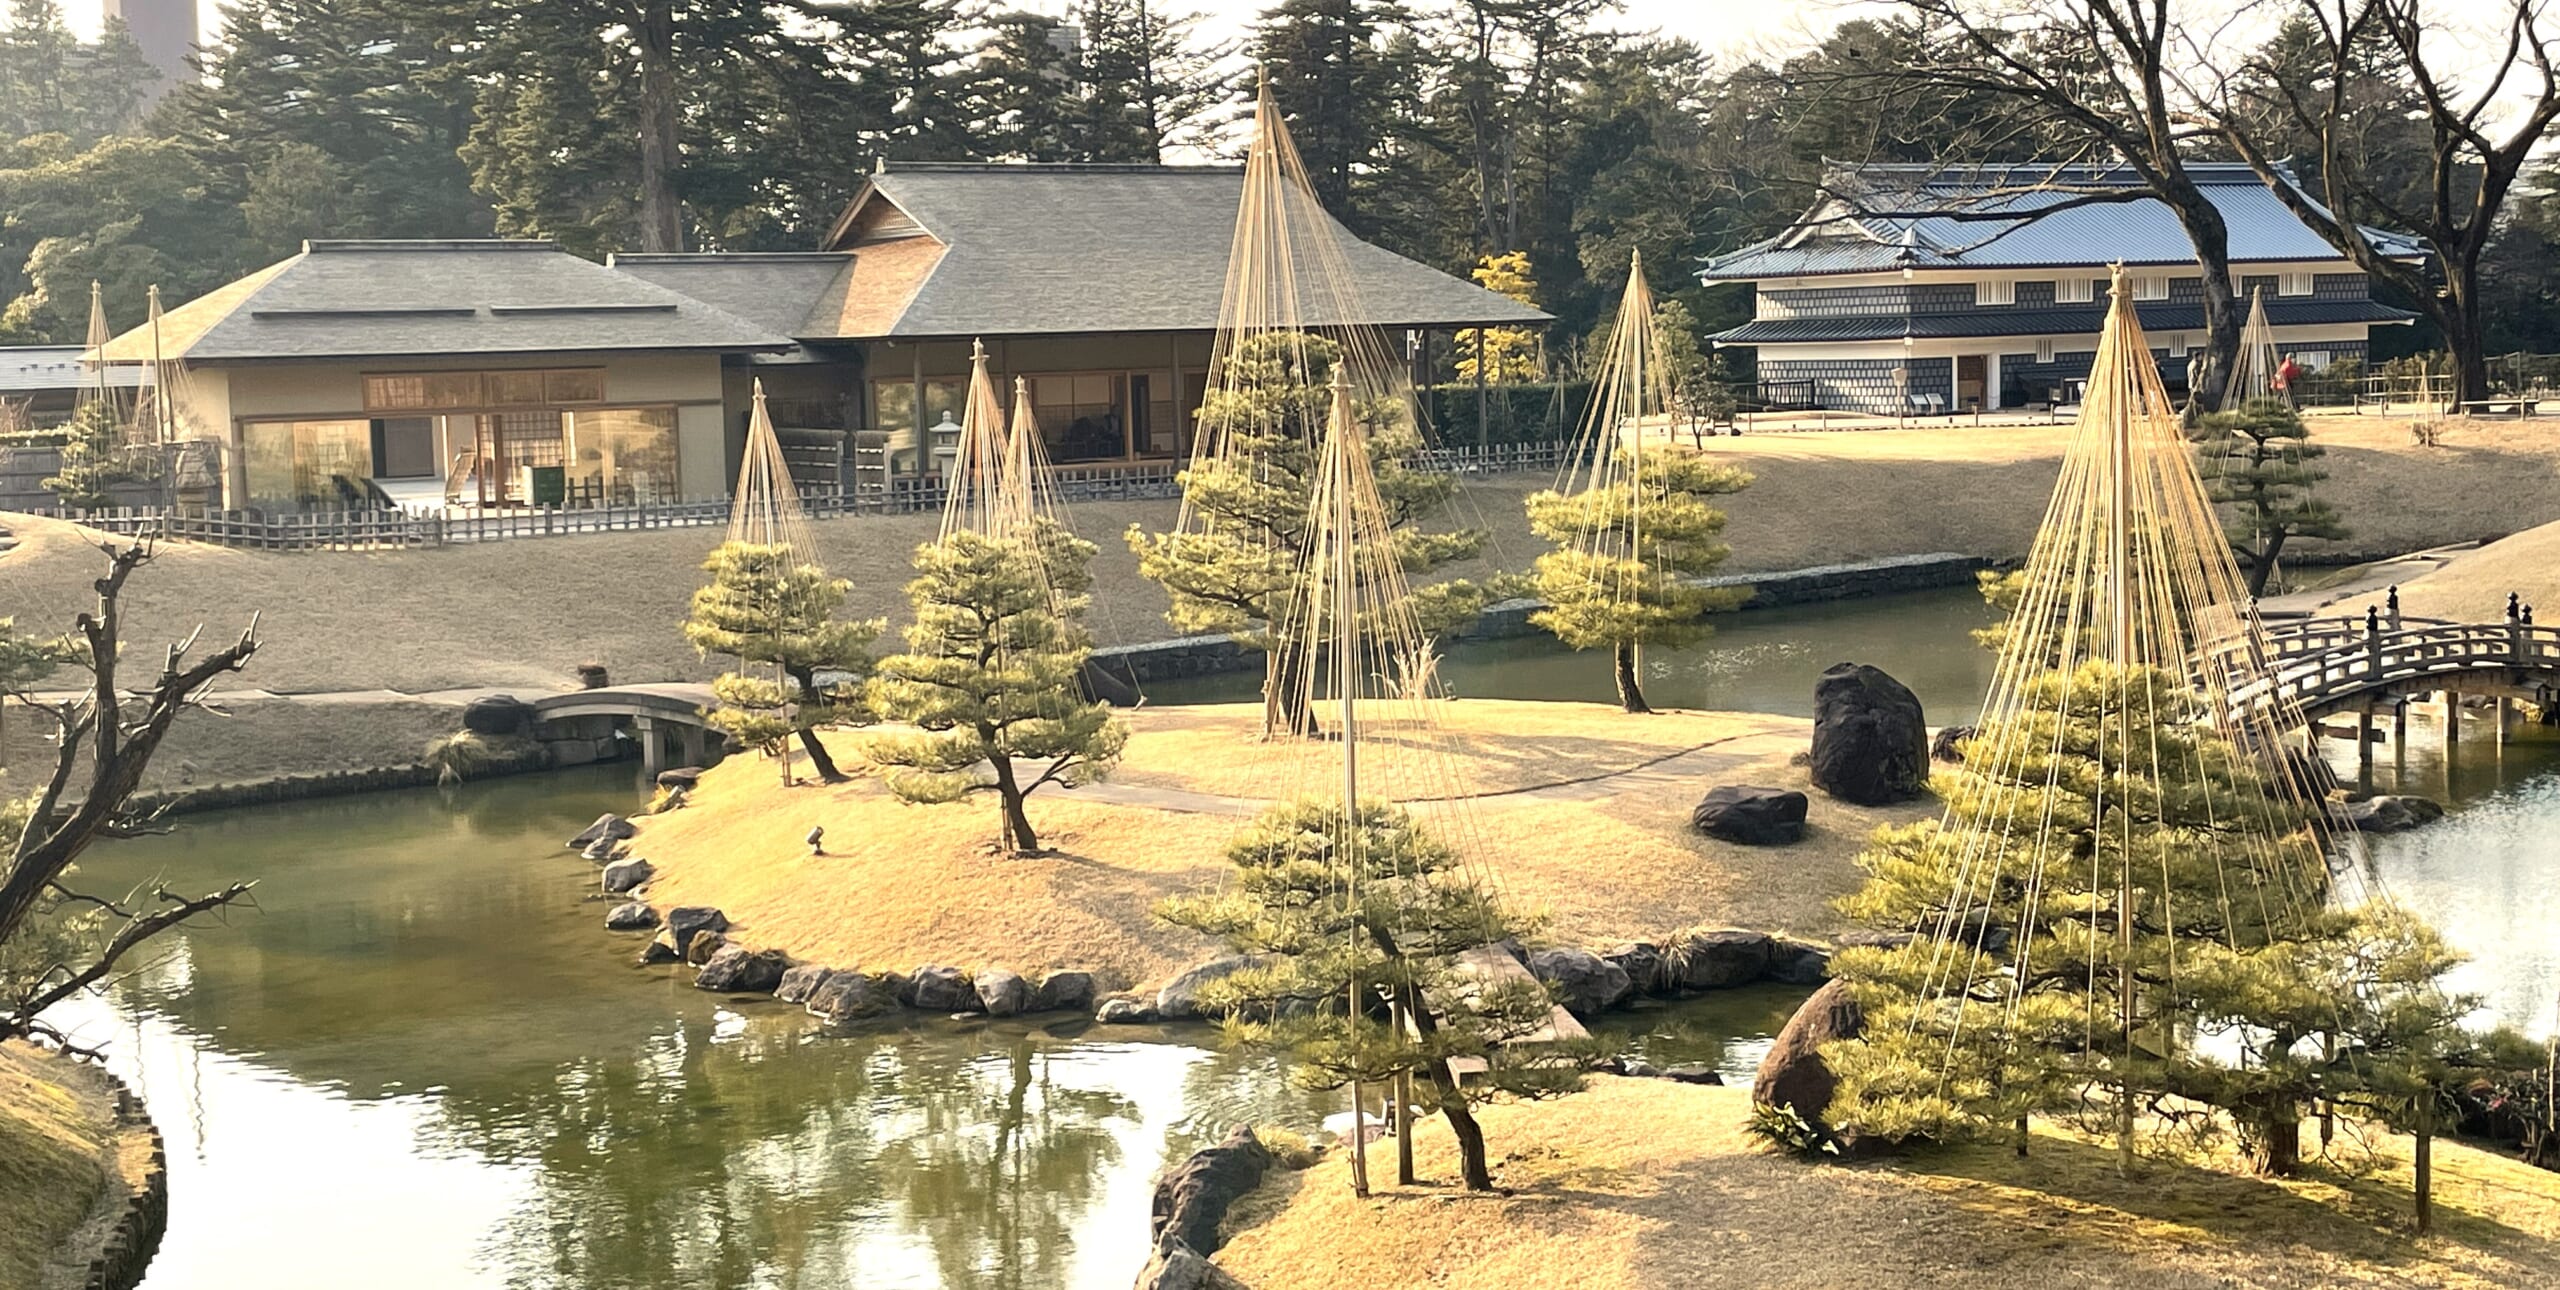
369, 299
952, 249
2068, 320
1884, 218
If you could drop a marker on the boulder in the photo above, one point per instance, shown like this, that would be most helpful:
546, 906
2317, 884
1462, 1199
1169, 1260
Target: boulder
1002, 993
1067, 991
853, 996
737, 970
1585, 983
2390, 814
703, 945
936, 988
1638, 1068
1870, 742
1693, 1074
1102, 682
684, 777
497, 714
1943, 745
1751, 815
607, 825
623, 875
662, 948
1717, 958
684, 920
630, 916
1642, 962
801, 982
1179, 1000
1121, 1010
1870, 938
1192, 1197
1176, 1266
604, 850
1793, 1074
1798, 963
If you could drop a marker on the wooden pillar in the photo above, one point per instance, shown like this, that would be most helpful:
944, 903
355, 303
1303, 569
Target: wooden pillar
924, 450
653, 745
2399, 738
2364, 747
2452, 726
1484, 431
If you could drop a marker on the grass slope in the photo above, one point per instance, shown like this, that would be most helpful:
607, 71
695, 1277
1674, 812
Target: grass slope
1646, 1183
902, 885
2473, 587
55, 1120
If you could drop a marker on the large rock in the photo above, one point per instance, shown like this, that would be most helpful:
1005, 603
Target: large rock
703, 946
936, 988
1179, 1000
1002, 993
605, 850
631, 916
1585, 983
497, 714
1751, 815
1065, 991
1176, 1266
801, 982
1192, 1197
1642, 962
853, 996
1716, 958
1121, 1010
1693, 1073
1870, 742
607, 825
662, 948
623, 875
1793, 1074
1948, 745
739, 970
684, 777
684, 920
2390, 814
1797, 963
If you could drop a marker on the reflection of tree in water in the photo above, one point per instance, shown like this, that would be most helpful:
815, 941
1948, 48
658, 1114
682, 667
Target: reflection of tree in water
997, 1162
1243, 1086
1727, 1029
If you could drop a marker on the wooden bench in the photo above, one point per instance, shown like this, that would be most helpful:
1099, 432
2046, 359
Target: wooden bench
2524, 405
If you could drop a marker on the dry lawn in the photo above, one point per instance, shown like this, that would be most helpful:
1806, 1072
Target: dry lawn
57, 1122
524, 613
902, 885
2474, 586
253, 739
1648, 1183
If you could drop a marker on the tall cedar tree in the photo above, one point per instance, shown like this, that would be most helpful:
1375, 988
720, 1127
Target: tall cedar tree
1603, 591
2241, 965
993, 676
1390, 912
1130, 80
1240, 575
762, 607
1339, 82
2256, 460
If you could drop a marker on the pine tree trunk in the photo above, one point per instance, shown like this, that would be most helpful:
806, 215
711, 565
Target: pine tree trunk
1284, 690
1630, 684
1019, 840
661, 217
2279, 1134
819, 759
2262, 569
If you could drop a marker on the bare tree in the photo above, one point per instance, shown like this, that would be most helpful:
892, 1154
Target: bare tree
104, 743
2482, 141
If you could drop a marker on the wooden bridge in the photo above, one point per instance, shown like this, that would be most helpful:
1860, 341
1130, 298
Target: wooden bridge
2322, 666
667, 717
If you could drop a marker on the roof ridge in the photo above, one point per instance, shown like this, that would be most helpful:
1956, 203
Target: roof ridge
322, 246
619, 258
888, 167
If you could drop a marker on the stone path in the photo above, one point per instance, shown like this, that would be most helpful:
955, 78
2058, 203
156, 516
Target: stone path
2369, 584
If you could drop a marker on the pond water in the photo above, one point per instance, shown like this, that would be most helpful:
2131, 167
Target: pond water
421, 1061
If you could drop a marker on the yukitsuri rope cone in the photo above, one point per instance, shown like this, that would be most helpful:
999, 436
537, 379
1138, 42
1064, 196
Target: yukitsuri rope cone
2253, 375
767, 510
2121, 721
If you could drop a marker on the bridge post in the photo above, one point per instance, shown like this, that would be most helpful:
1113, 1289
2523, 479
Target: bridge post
2364, 747
2452, 726
653, 746
2400, 735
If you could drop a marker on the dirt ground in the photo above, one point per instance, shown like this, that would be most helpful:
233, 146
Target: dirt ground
1595, 860
523, 613
1649, 1183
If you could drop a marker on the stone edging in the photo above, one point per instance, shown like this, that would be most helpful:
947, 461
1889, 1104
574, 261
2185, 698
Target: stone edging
136, 1235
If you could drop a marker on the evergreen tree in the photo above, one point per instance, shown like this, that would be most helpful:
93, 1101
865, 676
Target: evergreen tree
1238, 575
1627, 556
993, 676
1338, 81
1114, 81
2248, 990
94, 459
1509, 354
1378, 911
2256, 461
762, 607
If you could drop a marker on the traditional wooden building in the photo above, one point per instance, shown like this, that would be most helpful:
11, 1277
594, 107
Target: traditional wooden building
1926, 289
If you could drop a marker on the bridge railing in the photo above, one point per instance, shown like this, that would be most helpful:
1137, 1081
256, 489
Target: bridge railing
2373, 660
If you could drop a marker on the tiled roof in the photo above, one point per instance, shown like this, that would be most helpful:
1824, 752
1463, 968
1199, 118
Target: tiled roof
26, 368
2080, 320
385, 298
1883, 218
1032, 249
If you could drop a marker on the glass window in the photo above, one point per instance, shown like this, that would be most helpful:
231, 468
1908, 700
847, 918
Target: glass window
575, 385
895, 401
515, 389
413, 391
1081, 416
621, 455
307, 465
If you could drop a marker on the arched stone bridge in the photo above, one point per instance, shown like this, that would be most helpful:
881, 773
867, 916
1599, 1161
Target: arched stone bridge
666, 717
2330, 665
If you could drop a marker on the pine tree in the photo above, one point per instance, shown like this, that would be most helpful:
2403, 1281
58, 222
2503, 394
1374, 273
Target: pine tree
2255, 460
1339, 81
762, 607
1509, 354
1635, 583
1382, 920
94, 459
1238, 576
992, 676
2008, 1001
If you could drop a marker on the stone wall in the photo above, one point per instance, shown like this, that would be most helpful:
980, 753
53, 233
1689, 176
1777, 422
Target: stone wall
137, 1231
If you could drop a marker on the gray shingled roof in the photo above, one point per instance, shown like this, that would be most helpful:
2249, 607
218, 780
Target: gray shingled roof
1036, 249
1883, 221
374, 299
2039, 322
773, 290
25, 368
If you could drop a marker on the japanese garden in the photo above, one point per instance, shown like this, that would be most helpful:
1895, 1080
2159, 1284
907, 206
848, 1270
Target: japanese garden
1307, 643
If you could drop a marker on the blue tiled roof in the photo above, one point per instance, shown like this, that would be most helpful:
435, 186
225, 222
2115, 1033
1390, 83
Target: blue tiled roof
1890, 217
2074, 321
